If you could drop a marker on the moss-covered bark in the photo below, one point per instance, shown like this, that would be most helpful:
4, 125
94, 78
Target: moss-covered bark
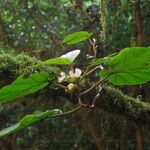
111, 99
12, 66
114, 101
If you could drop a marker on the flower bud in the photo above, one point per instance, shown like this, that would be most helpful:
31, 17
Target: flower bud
72, 79
71, 87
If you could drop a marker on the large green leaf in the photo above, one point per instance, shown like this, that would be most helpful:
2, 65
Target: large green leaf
130, 67
27, 121
76, 37
23, 86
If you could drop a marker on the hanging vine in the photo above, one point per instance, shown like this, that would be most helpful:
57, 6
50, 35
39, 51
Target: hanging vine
103, 23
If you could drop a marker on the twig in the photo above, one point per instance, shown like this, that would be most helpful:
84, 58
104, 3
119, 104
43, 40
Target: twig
90, 89
94, 46
97, 95
84, 73
79, 99
91, 71
60, 85
69, 112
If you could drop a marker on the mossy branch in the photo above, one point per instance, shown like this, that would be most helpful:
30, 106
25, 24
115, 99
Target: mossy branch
114, 101
111, 99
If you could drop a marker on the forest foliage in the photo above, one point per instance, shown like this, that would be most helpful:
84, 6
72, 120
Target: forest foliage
84, 50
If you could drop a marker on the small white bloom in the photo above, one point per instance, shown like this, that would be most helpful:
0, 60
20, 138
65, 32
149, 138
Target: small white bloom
97, 95
101, 67
89, 56
77, 72
94, 40
71, 77
100, 88
71, 74
62, 77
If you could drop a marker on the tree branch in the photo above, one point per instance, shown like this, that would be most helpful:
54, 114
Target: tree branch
110, 99
68, 112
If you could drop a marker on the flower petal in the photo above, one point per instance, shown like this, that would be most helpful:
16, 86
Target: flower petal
62, 77
77, 72
71, 74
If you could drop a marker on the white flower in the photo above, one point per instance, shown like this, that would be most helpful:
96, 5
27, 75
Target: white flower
62, 77
75, 74
72, 77
89, 56
94, 40
101, 67
100, 88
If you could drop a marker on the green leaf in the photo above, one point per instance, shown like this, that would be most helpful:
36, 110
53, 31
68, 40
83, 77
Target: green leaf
27, 121
66, 59
130, 67
102, 60
58, 61
23, 86
76, 37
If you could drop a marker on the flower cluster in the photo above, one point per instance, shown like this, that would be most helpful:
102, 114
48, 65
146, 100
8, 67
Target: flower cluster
72, 76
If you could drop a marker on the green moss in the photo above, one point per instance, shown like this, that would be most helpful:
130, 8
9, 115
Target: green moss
12, 66
111, 100
103, 11
15, 64
117, 102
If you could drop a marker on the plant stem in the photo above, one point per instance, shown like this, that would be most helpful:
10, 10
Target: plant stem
69, 112
60, 85
91, 71
87, 68
90, 89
